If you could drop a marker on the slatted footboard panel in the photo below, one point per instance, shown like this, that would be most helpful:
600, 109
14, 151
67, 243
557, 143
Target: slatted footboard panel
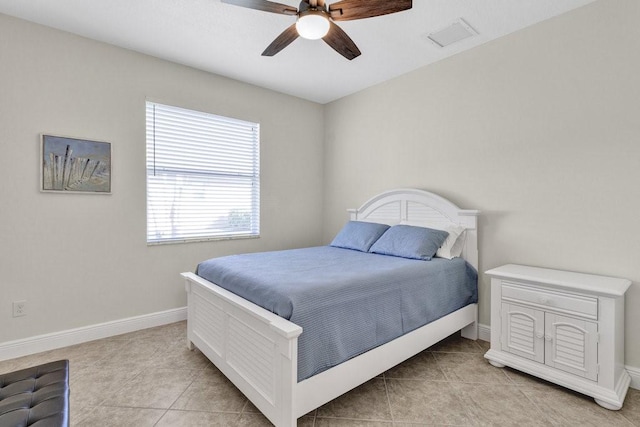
208, 323
246, 347
254, 348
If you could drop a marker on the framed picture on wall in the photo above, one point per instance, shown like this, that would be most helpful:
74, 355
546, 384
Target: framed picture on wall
72, 165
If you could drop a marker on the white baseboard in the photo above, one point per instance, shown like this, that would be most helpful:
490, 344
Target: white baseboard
635, 376
484, 334
37, 344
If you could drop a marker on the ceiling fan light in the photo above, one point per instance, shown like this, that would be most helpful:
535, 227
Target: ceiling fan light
312, 25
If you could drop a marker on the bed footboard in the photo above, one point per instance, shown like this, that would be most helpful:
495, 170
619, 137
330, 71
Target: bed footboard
256, 349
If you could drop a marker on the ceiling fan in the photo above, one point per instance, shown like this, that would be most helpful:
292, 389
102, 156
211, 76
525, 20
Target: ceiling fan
316, 20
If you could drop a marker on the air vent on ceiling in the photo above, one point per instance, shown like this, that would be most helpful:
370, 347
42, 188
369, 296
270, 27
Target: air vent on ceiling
455, 32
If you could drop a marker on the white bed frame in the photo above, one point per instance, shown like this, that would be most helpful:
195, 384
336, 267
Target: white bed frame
258, 350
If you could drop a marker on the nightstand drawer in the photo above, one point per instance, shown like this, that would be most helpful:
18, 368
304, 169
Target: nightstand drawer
557, 301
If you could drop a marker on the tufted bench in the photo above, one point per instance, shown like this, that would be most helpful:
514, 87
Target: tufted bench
37, 396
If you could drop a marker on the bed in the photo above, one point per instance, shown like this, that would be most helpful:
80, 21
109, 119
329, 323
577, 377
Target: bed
258, 350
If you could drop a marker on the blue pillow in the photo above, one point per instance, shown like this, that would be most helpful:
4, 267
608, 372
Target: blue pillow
407, 241
359, 235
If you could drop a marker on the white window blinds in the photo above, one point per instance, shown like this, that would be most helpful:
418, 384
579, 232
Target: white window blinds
203, 176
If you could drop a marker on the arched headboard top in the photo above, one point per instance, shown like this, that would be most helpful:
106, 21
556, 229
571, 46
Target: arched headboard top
421, 208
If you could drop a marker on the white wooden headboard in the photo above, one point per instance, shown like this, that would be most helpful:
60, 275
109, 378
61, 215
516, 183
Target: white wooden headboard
421, 208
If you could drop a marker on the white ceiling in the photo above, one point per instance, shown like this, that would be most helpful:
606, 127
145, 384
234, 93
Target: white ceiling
228, 40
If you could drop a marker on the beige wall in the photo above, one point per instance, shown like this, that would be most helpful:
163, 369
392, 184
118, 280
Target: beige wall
539, 130
80, 260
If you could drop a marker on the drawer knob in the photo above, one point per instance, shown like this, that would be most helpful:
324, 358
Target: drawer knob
545, 300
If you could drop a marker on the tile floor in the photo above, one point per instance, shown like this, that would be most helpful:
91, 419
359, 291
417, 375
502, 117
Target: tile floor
149, 378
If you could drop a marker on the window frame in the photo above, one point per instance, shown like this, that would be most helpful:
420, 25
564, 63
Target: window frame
228, 162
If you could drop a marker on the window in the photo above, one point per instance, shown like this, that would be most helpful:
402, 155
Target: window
203, 176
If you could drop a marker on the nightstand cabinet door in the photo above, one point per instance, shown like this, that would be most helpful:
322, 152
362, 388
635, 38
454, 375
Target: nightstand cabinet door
572, 345
523, 331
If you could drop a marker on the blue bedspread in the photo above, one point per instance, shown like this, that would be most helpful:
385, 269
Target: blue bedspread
347, 302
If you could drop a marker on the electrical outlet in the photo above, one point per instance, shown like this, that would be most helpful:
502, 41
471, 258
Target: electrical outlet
19, 308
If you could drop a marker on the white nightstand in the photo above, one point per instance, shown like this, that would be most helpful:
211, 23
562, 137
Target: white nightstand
564, 327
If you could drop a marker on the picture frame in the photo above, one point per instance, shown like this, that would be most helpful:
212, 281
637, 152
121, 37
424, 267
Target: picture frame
74, 165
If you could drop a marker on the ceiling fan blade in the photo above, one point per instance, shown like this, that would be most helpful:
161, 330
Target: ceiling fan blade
347, 10
264, 5
282, 41
341, 42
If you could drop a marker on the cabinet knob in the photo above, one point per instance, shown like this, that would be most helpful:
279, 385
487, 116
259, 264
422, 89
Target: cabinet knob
547, 337
544, 300
539, 335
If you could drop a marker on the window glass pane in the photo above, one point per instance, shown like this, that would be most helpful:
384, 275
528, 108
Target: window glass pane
203, 177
